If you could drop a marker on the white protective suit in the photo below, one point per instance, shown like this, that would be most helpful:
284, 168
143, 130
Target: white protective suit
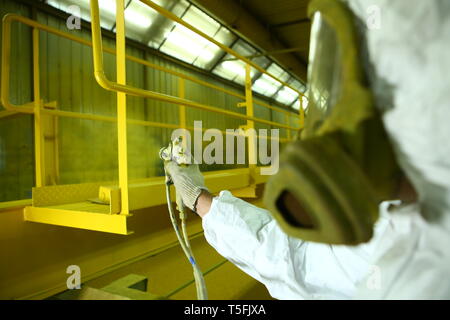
408, 257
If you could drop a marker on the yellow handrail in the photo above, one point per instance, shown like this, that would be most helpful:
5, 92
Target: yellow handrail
107, 84
6, 58
121, 88
29, 108
175, 18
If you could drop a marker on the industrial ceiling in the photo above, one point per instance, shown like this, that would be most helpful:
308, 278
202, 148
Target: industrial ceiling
279, 28
275, 37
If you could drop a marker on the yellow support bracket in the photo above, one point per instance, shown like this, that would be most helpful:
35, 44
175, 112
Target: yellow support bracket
68, 216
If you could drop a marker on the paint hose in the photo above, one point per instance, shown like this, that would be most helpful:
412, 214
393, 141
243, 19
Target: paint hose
183, 239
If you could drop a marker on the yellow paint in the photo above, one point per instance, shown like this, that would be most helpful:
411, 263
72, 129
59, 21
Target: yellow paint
68, 216
38, 130
122, 107
107, 84
182, 108
252, 147
101, 78
37, 254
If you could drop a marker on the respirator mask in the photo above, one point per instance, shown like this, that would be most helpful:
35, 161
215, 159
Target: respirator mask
341, 166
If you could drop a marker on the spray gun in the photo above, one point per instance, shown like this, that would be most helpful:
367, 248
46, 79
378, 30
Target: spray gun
176, 152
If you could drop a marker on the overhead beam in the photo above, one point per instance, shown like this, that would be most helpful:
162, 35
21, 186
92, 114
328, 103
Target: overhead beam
261, 54
290, 23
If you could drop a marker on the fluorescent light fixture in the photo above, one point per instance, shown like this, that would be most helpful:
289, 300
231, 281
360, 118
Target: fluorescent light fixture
224, 36
243, 48
278, 72
184, 44
286, 96
235, 67
201, 21
139, 16
107, 6
232, 70
266, 85
207, 56
189, 46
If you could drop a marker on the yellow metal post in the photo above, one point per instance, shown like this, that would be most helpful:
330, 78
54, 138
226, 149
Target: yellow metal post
38, 129
50, 144
122, 106
182, 108
288, 122
252, 159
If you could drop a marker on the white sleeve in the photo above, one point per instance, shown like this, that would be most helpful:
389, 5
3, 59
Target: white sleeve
290, 268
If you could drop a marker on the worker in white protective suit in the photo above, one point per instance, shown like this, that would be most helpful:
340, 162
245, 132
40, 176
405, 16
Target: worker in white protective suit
407, 256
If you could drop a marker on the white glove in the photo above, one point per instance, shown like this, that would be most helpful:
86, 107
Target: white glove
188, 181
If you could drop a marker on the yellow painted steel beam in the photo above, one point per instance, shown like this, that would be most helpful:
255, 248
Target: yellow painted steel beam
66, 194
247, 192
234, 179
8, 205
139, 198
78, 219
96, 254
70, 205
38, 125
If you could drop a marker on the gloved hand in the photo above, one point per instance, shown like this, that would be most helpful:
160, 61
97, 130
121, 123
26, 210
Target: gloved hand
188, 181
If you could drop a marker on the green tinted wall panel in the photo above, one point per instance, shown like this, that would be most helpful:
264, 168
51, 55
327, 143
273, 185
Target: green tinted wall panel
87, 148
16, 138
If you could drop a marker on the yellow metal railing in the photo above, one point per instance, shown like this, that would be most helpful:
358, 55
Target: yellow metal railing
11, 108
122, 88
175, 18
39, 108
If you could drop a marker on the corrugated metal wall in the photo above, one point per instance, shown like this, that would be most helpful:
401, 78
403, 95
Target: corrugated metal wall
88, 149
16, 133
